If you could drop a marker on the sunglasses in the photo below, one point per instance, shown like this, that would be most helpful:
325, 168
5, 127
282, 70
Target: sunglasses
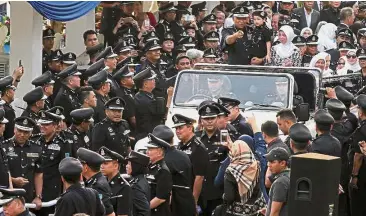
351, 56
341, 63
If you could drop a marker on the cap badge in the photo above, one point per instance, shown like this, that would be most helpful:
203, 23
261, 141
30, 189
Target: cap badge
70, 56
155, 42
110, 129
219, 101
241, 10
118, 101
153, 34
213, 34
75, 137
102, 152
298, 39
212, 17
313, 38
190, 39
362, 51
49, 31
344, 45
58, 112
149, 137
43, 115
25, 122
262, 14
175, 119
208, 110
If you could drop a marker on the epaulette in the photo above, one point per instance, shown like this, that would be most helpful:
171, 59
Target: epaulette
7, 140
124, 181
133, 181
161, 21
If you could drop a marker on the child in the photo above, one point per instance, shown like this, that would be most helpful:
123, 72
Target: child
261, 39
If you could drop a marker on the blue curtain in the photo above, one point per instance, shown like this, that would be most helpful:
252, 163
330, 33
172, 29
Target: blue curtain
63, 10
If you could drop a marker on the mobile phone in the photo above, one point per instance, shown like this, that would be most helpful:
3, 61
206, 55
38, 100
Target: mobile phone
223, 136
146, 23
20, 63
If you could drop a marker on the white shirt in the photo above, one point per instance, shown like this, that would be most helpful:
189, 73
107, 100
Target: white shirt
308, 17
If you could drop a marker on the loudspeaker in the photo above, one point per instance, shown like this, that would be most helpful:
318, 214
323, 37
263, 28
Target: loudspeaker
314, 181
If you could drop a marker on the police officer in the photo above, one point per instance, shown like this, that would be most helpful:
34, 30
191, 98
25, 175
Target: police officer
311, 49
48, 41
341, 35
12, 201
150, 110
7, 95
137, 168
210, 56
91, 162
210, 137
236, 39
5, 181
167, 49
24, 160
102, 87
199, 11
46, 82
76, 199
54, 62
68, 97
121, 190
180, 167
82, 120
54, 149
235, 117
361, 55
300, 138
168, 23
113, 131
300, 42
159, 176
35, 103
67, 60
223, 124
211, 40
196, 151
123, 50
124, 78
152, 50
325, 143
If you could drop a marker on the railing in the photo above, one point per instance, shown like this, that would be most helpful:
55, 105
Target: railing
32, 205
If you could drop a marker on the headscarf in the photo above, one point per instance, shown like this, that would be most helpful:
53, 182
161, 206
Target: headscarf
244, 167
316, 58
287, 49
353, 67
306, 29
327, 36
343, 70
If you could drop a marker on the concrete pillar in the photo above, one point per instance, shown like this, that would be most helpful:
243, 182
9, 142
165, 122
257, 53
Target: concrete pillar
26, 45
75, 30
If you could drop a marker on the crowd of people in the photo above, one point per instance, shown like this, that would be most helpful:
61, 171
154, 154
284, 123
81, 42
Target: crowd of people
93, 134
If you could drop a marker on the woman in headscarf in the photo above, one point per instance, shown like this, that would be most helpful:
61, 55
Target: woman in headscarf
285, 53
351, 65
341, 63
327, 37
306, 32
319, 61
242, 194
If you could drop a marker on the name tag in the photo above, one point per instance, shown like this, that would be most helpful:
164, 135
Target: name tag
12, 154
188, 151
33, 155
54, 147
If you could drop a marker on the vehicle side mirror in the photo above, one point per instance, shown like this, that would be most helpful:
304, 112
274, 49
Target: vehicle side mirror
302, 112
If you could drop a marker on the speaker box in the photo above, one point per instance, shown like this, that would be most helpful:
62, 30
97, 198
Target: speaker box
314, 181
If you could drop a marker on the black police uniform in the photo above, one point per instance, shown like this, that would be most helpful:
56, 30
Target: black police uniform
161, 87
24, 161
261, 35
4, 167
300, 134
6, 83
47, 33
325, 143
121, 190
98, 182
164, 26
140, 186
43, 80
77, 199
113, 135
67, 97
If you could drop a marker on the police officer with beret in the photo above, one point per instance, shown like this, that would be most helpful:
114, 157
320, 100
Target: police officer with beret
91, 162
159, 177
196, 151
12, 201
47, 83
357, 162
235, 117
24, 160
121, 189
113, 131
102, 87
300, 138
137, 168
124, 78
210, 137
236, 39
325, 143
150, 111
68, 97
82, 120
7, 95
54, 149
76, 199
35, 103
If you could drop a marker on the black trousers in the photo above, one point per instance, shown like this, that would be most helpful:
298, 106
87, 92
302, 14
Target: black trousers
357, 199
210, 206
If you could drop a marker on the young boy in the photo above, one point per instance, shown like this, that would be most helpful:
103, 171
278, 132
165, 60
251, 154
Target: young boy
261, 39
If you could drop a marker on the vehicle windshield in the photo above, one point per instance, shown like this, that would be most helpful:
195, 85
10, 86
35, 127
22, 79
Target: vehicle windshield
251, 89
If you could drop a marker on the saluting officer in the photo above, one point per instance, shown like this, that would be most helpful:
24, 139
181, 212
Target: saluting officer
159, 177
35, 103
196, 151
235, 117
210, 137
237, 38
68, 97
7, 95
137, 168
102, 87
13, 202
325, 143
121, 189
91, 162
48, 41
113, 131
76, 199
24, 160
82, 120
150, 111
46, 82
124, 78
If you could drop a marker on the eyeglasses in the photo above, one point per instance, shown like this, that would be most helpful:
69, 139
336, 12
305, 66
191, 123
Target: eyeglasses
351, 56
341, 63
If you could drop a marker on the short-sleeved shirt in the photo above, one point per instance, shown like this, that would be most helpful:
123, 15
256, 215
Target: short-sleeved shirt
279, 192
